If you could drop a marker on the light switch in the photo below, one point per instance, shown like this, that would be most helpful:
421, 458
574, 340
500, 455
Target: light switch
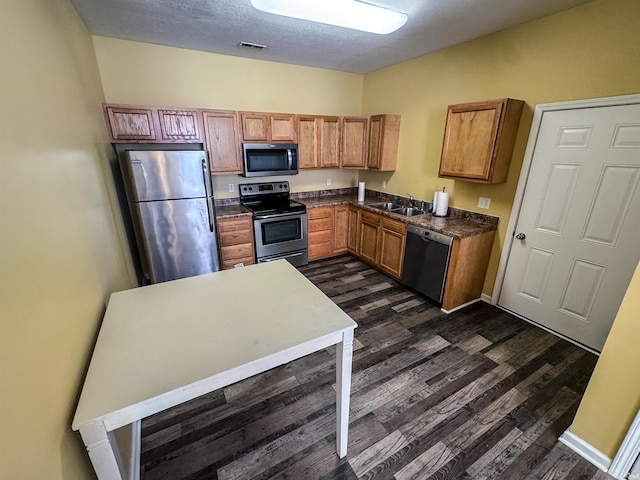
328, 181
384, 184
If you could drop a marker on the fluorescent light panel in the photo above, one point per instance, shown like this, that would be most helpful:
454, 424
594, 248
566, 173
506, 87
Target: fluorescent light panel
343, 13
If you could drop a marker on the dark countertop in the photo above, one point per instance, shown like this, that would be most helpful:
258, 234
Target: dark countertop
231, 211
458, 224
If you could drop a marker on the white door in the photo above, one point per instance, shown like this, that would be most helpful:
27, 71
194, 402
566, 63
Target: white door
578, 232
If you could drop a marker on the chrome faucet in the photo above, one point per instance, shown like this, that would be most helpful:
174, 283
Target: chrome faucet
411, 200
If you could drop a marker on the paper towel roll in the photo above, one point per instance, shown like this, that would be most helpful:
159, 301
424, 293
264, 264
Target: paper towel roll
361, 192
442, 204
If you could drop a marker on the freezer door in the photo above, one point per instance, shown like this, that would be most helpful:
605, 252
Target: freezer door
178, 237
165, 175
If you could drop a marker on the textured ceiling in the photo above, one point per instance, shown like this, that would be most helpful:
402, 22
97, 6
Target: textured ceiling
220, 25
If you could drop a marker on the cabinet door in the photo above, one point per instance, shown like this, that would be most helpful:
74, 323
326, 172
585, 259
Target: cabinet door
479, 139
341, 228
130, 123
329, 143
384, 133
255, 127
179, 125
368, 245
283, 128
393, 236
354, 142
353, 231
221, 129
307, 142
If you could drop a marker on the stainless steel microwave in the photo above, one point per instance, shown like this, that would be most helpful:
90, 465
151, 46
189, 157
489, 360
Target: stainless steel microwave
268, 159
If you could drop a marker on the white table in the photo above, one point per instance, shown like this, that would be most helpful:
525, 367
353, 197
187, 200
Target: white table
168, 343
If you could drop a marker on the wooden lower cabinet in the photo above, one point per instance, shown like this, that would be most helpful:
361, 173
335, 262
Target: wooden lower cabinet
235, 236
327, 231
378, 240
393, 238
353, 229
341, 229
467, 269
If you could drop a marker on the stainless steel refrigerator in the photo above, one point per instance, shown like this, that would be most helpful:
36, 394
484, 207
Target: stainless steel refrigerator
171, 202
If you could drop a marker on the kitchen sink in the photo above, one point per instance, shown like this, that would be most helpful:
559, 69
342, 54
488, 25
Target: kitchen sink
408, 211
384, 206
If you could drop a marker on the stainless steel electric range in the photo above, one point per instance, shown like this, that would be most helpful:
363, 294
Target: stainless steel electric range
279, 223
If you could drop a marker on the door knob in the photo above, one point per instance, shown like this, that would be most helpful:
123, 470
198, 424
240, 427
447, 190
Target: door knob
521, 236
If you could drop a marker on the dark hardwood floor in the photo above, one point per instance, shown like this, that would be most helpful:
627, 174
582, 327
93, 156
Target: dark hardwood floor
477, 394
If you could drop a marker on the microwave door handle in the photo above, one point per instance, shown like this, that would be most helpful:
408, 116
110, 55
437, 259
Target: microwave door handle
290, 157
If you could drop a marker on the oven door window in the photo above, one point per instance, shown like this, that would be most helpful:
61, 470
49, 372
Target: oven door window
281, 231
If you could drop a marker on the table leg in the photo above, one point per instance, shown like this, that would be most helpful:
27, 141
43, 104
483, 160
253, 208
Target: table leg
103, 451
344, 354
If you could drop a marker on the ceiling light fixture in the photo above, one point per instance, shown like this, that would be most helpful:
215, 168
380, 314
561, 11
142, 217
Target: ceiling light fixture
343, 13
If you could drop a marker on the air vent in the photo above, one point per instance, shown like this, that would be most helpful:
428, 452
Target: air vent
257, 46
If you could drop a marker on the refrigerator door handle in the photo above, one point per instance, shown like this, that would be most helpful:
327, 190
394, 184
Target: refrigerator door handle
210, 214
206, 178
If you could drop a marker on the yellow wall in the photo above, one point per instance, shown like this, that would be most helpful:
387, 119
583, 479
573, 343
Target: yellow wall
586, 52
612, 397
60, 250
140, 73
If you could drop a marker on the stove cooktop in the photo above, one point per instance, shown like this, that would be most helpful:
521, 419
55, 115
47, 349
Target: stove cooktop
269, 198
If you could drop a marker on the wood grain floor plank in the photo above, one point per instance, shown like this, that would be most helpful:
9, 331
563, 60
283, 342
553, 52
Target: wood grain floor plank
473, 395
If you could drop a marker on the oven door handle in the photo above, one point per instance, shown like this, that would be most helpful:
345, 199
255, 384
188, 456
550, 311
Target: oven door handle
278, 215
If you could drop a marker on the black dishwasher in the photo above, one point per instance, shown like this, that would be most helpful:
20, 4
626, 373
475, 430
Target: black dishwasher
426, 259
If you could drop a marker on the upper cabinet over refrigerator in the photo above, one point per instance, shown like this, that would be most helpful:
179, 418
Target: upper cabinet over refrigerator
171, 202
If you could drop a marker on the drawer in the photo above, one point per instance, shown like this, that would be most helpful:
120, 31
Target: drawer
394, 225
231, 224
229, 264
319, 224
236, 251
371, 218
319, 212
235, 237
321, 250
325, 236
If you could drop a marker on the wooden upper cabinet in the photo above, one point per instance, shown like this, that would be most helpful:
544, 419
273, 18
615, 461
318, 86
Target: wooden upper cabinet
283, 128
133, 123
307, 142
318, 141
268, 127
479, 139
354, 142
329, 143
181, 125
222, 133
384, 133
130, 123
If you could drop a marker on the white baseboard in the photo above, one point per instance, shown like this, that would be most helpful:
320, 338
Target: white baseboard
454, 309
586, 451
485, 298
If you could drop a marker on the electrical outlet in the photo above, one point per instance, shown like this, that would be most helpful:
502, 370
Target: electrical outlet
384, 184
232, 188
484, 202
328, 181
